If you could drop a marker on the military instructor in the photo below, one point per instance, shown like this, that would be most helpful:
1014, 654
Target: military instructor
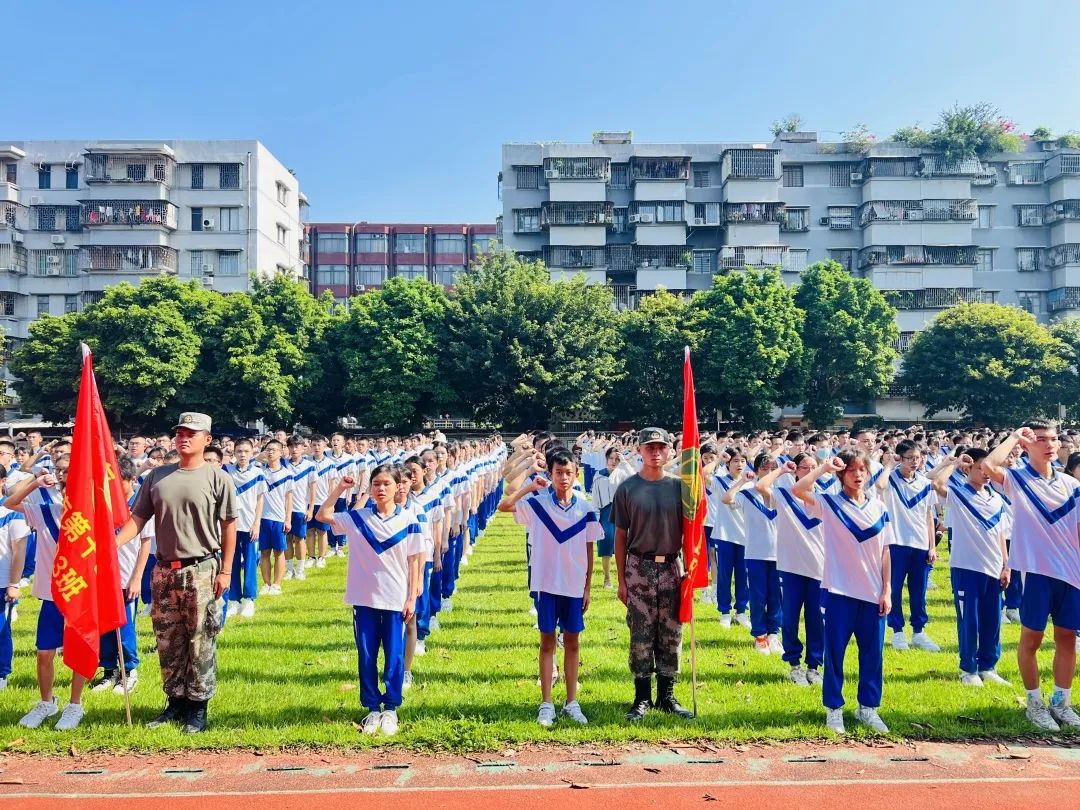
647, 513
193, 505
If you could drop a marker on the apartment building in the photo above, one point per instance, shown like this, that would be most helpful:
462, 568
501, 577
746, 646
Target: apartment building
79, 216
927, 232
349, 259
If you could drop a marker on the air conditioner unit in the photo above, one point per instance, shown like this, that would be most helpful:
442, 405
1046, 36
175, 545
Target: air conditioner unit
823, 221
37, 200
551, 174
52, 271
53, 261
58, 239
209, 224
699, 220
914, 214
208, 281
208, 269
856, 177
634, 219
727, 252
17, 238
645, 219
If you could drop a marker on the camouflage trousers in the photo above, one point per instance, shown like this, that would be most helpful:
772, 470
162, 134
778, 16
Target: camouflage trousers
652, 613
186, 621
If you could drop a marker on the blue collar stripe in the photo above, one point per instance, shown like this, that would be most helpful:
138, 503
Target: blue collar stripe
46, 495
50, 522
1051, 516
304, 473
797, 510
279, 482
770, 514
560, 535
379, 546
860, 535
910, 503
985, 522
10, 516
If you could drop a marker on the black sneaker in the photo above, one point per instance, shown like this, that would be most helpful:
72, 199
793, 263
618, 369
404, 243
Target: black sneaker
174, 711
195, 722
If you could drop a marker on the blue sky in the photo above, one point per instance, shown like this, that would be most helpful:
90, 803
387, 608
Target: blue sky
396, 111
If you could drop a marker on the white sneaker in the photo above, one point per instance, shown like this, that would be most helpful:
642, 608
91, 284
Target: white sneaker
247, 608
532, 609
406, 682
388, 723
776, 647
1005, 617
289, 573
834, 721
921, 641
309, 562
1013, 614
706, 595
899, 640
1065, 715
743, 619
608, 585
546, 715
3, 684
320, 562
421, 648
265, 589
447, 606
145, 610
870, 717
370, 724
464, 560
39, 713
24, 583
1040, 716
798, 676
70, 717
232, 608
970, 679
573, 711
725, 621
813, 677
275, 590
107, 683
433, 625
991, 676
132, 682
300, 574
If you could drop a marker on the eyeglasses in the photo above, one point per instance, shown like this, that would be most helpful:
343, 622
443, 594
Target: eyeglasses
909, 458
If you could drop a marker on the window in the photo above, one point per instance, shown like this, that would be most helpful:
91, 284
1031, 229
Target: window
42, 305
228, 219
196, 219
228, 262
1029, 259
841, 217
332, 243
482, 243
619, 220
197, 172
840, 174
71, 304
71, 177
230, 175
1027, 215
282, 193
196, 265
91, 298
449, 243
795, 261
527, 176
371, 243
44, 177
620, 175
669, 212
986, 217
793, 176
71, 263
795, 219
367, 275
11, 173
526, 220
448, 274
331, 274
984, 259
845, 257
1022, 174
7, 304
409, 243
701, 178
703, 261
136, 171
46, 218
282, 234
411, 271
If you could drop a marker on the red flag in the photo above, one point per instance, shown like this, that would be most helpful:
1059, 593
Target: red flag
86, 573
693, 498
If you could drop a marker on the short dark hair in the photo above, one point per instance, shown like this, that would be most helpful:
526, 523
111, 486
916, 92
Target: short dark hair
213, 450
273, 441
976, 454
127, 468
387, 469
906, 446
317, 437
1041, 424
559, 455
295, 441
237, 444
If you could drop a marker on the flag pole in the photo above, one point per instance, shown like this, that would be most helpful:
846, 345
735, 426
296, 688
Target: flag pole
123, 673
693, 660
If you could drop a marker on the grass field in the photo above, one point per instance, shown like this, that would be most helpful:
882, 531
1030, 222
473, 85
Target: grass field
288, 678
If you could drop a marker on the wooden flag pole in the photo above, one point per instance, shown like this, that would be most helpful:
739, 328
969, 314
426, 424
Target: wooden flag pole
123, 673
693, 659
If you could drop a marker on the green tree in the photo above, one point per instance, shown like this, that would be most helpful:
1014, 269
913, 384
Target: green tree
752, 356
390, 345
47, 367
521, 349
848, 335
1068, 332
994, 364
653, 337
974, 130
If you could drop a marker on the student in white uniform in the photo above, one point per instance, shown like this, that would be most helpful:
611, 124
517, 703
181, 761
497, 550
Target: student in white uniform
978, 561
857, 582
729, 536
301, 509
605, 482
277, 506
250, 484
425, 500
382, 585
564, 529
1046, 551
13, 536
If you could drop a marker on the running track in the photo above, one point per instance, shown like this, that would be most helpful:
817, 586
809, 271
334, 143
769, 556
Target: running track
981, 775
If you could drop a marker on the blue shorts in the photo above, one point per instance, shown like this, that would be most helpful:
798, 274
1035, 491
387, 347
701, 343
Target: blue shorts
565, 611
50, 626
1049, 598
317, 526
271, 535
298, 528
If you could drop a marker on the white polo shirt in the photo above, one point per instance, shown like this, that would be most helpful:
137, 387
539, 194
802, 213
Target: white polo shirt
1046, 520
977, 521
561, 538
278, 483
427, 504
13, 527
324, 471
855, 539
303, 472
910, 504
250, 483
760, 526
800, 544
379, 551
730, 525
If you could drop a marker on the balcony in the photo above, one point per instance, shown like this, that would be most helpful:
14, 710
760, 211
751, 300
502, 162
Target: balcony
1025, 173
125, 166
922, 255
578, 168
659, 168
750, 164
877, 168
128, 259
1061, 211
749, 213
14, 216
55, 218
129, 213
1062, 165
918, 211
1061, 255
936, 298
660, 256
13, 259
736, 258
1063, 298
1030, 260
938, 166
568, 213
560, 256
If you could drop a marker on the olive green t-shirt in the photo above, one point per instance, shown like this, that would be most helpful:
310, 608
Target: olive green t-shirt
187, 507
651, 514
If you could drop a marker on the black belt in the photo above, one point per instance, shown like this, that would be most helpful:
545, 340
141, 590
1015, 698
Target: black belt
175, 565
656, 558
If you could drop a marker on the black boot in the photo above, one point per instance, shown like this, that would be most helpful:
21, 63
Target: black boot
665, 698
195, 722
176, 709
642, 700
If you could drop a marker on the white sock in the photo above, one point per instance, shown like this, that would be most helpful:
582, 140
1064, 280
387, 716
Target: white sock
1034, 695
1061, 696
